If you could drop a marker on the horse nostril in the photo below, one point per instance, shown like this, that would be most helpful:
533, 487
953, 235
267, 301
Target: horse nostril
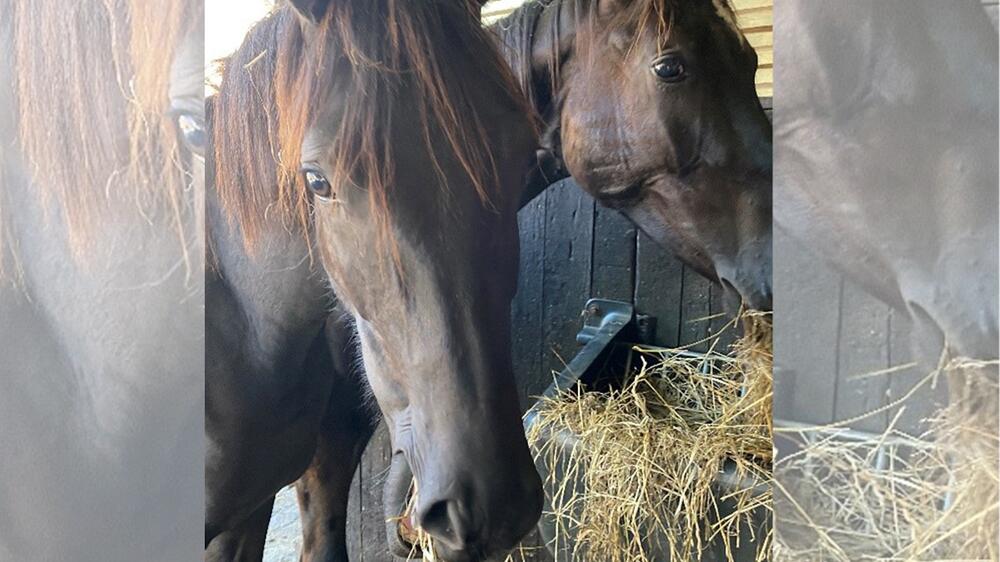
441, 520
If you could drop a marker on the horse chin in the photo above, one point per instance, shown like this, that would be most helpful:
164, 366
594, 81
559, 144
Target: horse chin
400, 532
732, 301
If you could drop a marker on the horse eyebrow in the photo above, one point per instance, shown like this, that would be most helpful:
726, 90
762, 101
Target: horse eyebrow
315, 145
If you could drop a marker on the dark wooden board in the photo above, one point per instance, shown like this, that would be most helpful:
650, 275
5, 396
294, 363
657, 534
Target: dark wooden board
354, 511
928, 398
569, 233
526, 310
863, 349
696, 310
370, 515
806, 328
658, 289
613, 272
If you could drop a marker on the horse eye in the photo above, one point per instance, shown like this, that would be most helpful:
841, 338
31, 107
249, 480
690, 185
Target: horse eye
317, 183
669, 69
193, 131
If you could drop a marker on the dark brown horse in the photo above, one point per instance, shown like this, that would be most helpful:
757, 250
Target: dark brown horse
390, 133
891, 176
887, 169
100, 282
650, 105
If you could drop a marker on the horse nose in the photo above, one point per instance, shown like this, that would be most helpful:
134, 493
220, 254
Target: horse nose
748, 274
467, 522
448, 523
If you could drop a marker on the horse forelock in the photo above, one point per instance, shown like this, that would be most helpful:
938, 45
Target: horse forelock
657, 18
276, 83
91, 92
520, 32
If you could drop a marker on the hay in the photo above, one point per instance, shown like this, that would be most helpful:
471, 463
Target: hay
648, 457
894, 496
421, 543
652, 453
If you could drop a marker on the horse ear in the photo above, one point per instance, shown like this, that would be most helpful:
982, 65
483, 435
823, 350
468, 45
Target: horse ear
311, 10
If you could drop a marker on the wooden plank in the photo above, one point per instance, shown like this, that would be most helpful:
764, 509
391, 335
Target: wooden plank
755, 19
354, 520
740, 5
658, 285
497, 9
806, 327
765, 56
760, 39
526, 309
613, 274
569, 231
919, 407
863, 348
528, 343
722, 324
374, 468
696, 308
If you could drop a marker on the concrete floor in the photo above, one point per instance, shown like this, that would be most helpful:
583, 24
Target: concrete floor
284, 535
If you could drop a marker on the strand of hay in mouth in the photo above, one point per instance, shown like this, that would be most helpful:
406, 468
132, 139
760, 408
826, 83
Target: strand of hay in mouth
895, 496
648, 457
421, 543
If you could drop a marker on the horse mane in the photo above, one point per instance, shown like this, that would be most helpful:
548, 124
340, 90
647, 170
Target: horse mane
371, 50
91, 100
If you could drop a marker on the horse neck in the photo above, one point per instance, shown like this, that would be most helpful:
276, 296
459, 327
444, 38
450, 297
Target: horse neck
275, 286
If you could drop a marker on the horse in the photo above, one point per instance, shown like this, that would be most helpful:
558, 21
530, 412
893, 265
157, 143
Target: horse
886, 163
650, 105
322, 491
101, 130
889, 219
390, 139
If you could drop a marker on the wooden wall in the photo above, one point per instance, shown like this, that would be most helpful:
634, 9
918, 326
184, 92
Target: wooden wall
828, 334
755, 18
